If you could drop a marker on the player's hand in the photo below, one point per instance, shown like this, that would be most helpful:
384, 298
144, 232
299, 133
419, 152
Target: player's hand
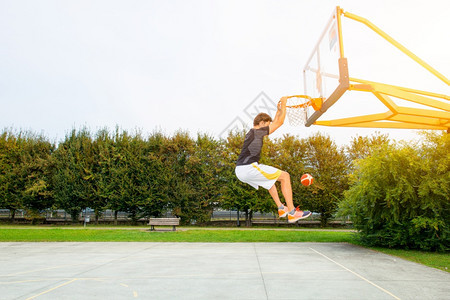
282, 102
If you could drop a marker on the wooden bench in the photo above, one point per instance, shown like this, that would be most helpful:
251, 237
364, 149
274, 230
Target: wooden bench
163, 222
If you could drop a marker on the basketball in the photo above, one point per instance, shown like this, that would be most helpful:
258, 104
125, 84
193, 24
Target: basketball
307, 179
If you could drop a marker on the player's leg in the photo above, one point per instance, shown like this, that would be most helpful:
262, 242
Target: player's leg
282, 209
286, 189
274, 193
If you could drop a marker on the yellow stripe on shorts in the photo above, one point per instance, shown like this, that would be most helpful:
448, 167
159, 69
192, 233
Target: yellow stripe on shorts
267, 175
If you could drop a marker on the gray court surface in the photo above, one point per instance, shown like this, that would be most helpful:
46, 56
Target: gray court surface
212, 271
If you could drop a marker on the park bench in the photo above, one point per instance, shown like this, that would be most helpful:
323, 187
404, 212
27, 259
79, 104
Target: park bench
163, 222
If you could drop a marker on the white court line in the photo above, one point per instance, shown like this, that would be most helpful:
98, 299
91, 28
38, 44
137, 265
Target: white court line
356, 274
54, 288
38, 270
24, 281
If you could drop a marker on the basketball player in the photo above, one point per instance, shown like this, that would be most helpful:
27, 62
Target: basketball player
249, 170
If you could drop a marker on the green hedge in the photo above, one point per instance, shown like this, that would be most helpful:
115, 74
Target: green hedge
399, 195
396, 194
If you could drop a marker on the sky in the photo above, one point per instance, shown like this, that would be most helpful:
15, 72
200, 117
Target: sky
200, 66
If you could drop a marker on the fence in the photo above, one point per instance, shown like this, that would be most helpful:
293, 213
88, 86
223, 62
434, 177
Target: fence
219, 217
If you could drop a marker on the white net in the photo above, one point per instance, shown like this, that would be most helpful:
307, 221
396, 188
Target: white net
296, 109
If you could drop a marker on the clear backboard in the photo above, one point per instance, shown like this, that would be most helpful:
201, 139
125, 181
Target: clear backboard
326, 77
325, 74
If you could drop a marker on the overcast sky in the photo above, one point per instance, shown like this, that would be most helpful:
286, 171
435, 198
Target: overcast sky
198, 65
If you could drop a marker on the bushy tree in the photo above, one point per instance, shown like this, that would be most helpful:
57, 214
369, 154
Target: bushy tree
74, 182
189, 171
361, 147
237, 195
399, 195
288, 154
130, 171
205, 174
140, 174
327, 163
12, 174
25, 172
36, 160
155, 176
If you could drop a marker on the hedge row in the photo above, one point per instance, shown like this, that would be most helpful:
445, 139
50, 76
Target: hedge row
397, 194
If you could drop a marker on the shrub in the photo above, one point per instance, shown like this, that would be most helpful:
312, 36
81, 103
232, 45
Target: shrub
399, 195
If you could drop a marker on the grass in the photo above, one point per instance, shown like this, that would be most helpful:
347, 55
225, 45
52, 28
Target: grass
431, 259
141, 234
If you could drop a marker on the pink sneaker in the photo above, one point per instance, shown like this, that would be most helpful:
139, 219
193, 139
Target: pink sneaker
298, 215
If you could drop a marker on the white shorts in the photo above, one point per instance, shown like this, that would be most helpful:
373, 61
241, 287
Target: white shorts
258, 175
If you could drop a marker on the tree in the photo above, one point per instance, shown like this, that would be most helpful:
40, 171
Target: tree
191, 169
399, 196
36, 162
74, 182
113, 171
362, 147
328, 165
101, 171
238, 195
25, 171
134, 176
288, 154
12, 173
205, 174
154, 176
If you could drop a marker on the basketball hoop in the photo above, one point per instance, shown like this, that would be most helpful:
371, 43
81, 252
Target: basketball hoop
297, 107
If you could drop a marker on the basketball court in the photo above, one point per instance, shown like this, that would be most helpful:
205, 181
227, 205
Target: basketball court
253, 270
212, 271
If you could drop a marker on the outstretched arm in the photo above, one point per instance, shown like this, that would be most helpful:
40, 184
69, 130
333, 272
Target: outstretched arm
278, 120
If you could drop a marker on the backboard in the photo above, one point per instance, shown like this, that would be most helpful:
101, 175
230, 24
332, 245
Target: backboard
326, 77
325, 74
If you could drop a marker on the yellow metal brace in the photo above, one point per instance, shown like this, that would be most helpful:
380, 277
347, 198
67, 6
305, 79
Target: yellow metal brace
437, 117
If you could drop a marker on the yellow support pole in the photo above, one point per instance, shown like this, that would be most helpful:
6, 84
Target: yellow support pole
356, 120
387, 101
424, 113
397, 45
339, 12
411, 97
383, 98
394, 125
419, 92
420, 120
437, 118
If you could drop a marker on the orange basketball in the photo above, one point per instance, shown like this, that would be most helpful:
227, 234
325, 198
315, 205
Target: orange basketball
307, 179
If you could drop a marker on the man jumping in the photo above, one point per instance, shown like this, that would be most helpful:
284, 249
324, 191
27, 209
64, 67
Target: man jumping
249, 170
